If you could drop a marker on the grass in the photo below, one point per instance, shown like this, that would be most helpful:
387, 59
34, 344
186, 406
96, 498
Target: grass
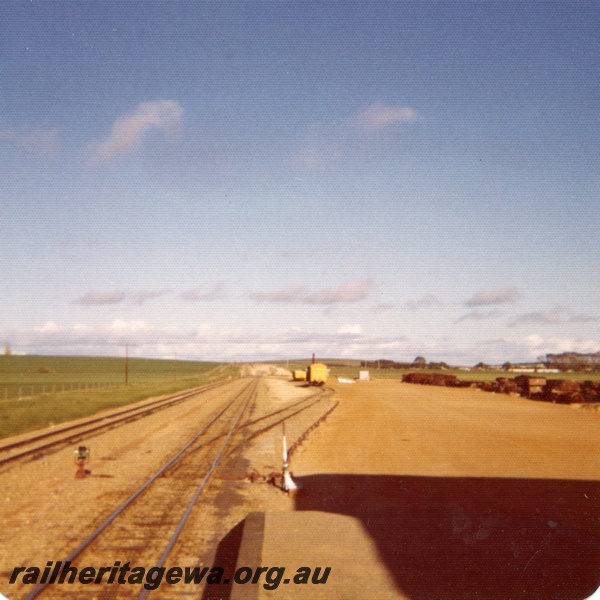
22, 376
55, 389
98, 384
49, 369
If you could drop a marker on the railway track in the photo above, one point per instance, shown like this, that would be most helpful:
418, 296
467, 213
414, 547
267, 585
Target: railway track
149, 527
39, 444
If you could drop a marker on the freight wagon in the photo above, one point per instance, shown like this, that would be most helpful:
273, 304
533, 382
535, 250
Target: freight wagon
299, 375
316, 374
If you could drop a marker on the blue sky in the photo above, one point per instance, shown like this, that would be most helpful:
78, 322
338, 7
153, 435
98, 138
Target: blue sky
255, 181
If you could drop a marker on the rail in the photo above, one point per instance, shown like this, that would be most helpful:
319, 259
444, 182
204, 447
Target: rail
124, 505
216, 448
94, 425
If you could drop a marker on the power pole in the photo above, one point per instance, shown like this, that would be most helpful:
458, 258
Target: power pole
126, 364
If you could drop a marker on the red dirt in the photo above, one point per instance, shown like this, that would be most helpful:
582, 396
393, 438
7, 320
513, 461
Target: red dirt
459, 494
465, 494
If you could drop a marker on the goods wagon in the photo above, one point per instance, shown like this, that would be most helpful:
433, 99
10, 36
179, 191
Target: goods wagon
299, 375
316, 374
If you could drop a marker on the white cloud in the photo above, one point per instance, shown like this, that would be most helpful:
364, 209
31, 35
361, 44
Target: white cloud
79, 338
47, 327
377, 116
204, 342
350, 329
292, 294
121, 325
208, 341
127, 131
579, 318
100, 298
477, 315
328, 144
529, 347
316, 155
217, 293
496, 296
351, 291
424, 302
550, 317
383, 307
143, 296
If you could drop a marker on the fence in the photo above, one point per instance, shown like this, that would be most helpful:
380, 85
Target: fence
21, 391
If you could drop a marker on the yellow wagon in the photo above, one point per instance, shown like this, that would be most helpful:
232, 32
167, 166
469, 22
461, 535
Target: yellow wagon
316, 373
299, 375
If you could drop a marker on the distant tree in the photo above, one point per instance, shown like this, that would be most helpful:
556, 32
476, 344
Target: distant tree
481, 365
419, 362
437, 365
383, 363
507, 366
574, 361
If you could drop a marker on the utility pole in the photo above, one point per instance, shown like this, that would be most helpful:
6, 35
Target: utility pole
126, 364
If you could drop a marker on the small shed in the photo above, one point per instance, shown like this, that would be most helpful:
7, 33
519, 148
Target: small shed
364, 376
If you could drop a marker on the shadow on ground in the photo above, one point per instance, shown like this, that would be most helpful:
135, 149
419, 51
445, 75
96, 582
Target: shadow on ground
226, 557
473, 538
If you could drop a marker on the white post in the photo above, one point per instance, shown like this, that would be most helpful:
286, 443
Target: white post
288, 482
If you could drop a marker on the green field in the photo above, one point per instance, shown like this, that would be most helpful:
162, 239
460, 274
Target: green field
40, 391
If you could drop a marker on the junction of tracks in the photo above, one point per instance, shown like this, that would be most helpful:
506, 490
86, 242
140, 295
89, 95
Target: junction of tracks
406, 492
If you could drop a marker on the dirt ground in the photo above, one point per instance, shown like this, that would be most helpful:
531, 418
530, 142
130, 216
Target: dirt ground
435, 493
465, 494
263, 370
45, 512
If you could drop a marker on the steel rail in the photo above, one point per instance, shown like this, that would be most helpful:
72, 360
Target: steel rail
283, 418
270, 415
56, 431
100, 528
97, 424
180, 456
215, 463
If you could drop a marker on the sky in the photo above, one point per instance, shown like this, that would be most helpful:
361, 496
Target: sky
247, 181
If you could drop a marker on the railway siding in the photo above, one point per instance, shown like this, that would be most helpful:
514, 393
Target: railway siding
38, 443
49, 511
